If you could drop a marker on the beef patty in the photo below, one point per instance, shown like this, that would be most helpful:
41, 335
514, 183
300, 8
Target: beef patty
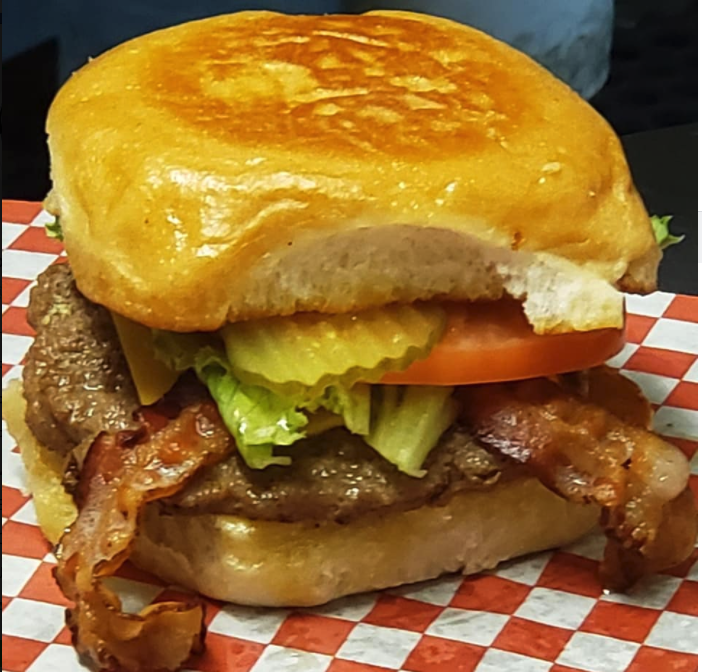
77, 384
337, 476
76, 379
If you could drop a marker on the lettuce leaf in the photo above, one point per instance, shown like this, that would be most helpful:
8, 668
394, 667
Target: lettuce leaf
53, 229
403, 423
660, 230
179, 351
353, 405
257, 418
408, 422
253, 414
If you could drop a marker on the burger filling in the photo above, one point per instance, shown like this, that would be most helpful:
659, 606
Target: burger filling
312, 438
314, 418
77, 383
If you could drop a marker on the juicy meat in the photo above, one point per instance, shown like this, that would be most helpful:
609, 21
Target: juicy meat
122, 473
76, 379
586, 453
336, 476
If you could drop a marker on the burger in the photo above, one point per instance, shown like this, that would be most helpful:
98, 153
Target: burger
338, 297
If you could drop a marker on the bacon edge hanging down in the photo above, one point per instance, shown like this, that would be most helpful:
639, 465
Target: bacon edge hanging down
584, 438
591, 453
123, 472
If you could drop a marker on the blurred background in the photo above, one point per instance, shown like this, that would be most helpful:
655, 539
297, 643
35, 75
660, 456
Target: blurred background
635, 60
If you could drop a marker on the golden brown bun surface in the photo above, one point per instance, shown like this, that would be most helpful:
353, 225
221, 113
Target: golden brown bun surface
247, 165
290, 564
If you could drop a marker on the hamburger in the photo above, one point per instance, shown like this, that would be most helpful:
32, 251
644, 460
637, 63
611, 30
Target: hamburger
338, 297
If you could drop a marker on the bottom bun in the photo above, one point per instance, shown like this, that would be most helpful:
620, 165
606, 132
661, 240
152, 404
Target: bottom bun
294, 564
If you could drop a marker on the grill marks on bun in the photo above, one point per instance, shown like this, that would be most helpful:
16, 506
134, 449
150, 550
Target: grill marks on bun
239, 153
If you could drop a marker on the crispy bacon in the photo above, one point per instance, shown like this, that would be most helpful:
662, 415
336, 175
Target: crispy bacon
596, 450
121, 474
606, 387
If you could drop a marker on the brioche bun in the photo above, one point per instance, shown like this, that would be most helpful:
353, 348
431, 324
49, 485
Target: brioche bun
261, 164
291, 564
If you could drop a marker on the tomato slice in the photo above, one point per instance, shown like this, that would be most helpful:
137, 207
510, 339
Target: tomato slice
491, 342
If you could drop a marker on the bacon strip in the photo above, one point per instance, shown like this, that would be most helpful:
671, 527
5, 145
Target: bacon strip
586, 453
121, 474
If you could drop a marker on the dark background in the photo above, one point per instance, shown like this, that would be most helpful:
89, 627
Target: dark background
652, 85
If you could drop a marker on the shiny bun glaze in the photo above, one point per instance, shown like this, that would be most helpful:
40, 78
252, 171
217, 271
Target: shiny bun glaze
226, 169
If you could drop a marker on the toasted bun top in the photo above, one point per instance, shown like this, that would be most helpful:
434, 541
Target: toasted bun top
232, 167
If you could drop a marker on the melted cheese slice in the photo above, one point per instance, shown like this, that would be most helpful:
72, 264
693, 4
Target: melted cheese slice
152, 378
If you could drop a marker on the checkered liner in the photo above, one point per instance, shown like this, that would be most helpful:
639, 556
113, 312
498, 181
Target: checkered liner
545, 612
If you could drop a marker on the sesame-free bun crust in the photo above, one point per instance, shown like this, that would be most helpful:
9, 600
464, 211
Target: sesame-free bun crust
291, 564
257, 164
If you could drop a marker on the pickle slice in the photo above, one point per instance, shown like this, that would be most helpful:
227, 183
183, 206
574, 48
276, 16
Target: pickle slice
305, 353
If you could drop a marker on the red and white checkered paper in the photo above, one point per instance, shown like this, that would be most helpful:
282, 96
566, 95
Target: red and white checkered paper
543, 613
